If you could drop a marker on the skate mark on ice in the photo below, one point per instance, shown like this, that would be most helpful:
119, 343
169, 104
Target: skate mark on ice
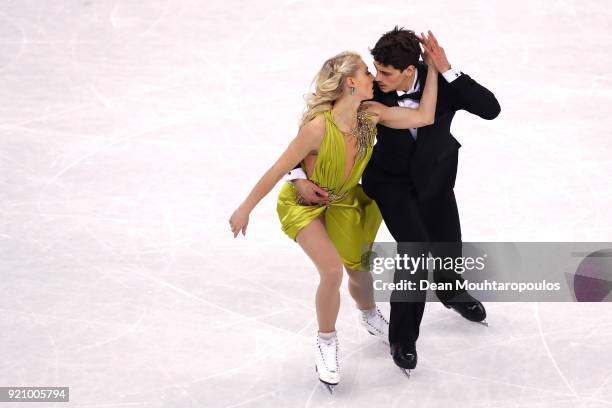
552, 359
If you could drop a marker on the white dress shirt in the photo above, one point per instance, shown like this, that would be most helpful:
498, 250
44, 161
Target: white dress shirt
409, 103
449, 76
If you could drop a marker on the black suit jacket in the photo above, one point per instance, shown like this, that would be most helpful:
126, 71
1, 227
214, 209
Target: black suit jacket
428, 164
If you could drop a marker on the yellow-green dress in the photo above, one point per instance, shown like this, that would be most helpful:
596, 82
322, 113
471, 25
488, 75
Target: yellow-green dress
352, 218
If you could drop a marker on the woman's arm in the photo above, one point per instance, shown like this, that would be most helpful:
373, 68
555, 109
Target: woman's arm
465, 92
403, 118
308, 139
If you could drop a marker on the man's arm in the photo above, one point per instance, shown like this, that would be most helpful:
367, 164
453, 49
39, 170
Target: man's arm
308, 190
295, 174
469, 95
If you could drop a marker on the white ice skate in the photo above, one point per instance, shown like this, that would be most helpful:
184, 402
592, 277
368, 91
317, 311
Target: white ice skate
326, 358
375, 323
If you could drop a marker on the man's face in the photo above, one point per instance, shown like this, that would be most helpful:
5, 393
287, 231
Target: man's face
391, 79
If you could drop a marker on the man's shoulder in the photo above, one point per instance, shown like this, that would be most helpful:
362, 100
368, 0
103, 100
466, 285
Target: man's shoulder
382, 97
377, 93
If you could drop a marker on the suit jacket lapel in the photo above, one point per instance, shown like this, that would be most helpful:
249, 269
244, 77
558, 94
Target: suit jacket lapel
388, 99
391, 99
422, 70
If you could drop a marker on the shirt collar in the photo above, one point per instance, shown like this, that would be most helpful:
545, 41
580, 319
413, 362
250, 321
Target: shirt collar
415, 85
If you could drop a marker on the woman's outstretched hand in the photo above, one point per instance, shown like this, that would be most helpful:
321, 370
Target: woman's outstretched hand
433, 54
239, 221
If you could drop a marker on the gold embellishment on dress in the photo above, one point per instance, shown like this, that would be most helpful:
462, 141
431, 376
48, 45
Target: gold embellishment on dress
365, 131
300, 200
333, 197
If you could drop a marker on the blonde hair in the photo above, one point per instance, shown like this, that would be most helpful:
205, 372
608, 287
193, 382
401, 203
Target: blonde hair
329, 83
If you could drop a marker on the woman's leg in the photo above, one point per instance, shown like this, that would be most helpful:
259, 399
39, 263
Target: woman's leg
315, 242
360, 288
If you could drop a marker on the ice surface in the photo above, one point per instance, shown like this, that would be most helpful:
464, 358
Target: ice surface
130, 130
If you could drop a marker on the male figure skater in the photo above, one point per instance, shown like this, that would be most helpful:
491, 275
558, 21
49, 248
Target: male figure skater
411, 175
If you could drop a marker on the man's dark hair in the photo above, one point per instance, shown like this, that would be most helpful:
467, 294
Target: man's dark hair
399, 48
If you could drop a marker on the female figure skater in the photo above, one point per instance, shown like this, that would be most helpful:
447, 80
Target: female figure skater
333, 145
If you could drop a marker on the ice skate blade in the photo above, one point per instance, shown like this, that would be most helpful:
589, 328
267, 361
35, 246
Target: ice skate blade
329, 387
484, 323
405, 371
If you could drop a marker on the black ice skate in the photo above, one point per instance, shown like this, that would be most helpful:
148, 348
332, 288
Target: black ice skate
404, 356
468, 307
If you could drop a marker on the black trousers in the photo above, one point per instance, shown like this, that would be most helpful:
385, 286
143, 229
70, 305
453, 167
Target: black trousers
410, 220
